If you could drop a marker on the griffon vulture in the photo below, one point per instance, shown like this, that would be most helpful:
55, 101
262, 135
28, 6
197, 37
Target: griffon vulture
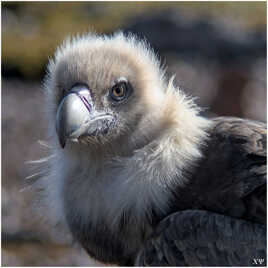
138, 175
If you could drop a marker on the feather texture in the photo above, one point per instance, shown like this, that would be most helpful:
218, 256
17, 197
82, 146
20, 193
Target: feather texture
159, 156
202, 238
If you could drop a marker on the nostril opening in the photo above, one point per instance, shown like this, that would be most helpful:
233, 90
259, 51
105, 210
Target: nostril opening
85, 101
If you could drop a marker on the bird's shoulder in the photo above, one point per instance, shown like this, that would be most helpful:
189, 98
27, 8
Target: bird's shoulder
239, 148
230, 178
248, 135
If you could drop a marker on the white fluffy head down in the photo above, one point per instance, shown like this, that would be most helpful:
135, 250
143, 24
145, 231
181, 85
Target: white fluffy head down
100, 60
157, 134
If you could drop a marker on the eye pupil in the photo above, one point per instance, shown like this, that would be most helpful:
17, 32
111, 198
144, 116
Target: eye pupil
118, 91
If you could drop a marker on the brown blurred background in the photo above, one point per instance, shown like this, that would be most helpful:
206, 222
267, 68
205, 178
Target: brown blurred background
216, 49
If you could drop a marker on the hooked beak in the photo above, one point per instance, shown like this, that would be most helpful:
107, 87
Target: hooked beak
76, 116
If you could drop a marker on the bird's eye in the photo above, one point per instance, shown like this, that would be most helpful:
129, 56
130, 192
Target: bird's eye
119, 91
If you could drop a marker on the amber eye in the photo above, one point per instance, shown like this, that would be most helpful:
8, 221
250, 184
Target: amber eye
119, 92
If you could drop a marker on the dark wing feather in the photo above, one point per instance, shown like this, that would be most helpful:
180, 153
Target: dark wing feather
250, 173
201, 238
251, 139
231, 177
252, 170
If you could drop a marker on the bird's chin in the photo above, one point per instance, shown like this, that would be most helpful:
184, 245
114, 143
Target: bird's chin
96, 138
93, 132
99, 139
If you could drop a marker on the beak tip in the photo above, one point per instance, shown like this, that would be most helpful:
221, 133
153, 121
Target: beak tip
62, 142
62, 145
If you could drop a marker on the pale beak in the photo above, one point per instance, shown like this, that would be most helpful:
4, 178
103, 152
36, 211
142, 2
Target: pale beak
76, 116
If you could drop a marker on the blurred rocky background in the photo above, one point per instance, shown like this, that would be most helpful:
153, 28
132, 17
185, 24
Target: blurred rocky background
216, 49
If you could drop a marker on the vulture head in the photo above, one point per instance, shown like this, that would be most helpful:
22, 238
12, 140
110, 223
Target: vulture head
106, 92
111, 94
